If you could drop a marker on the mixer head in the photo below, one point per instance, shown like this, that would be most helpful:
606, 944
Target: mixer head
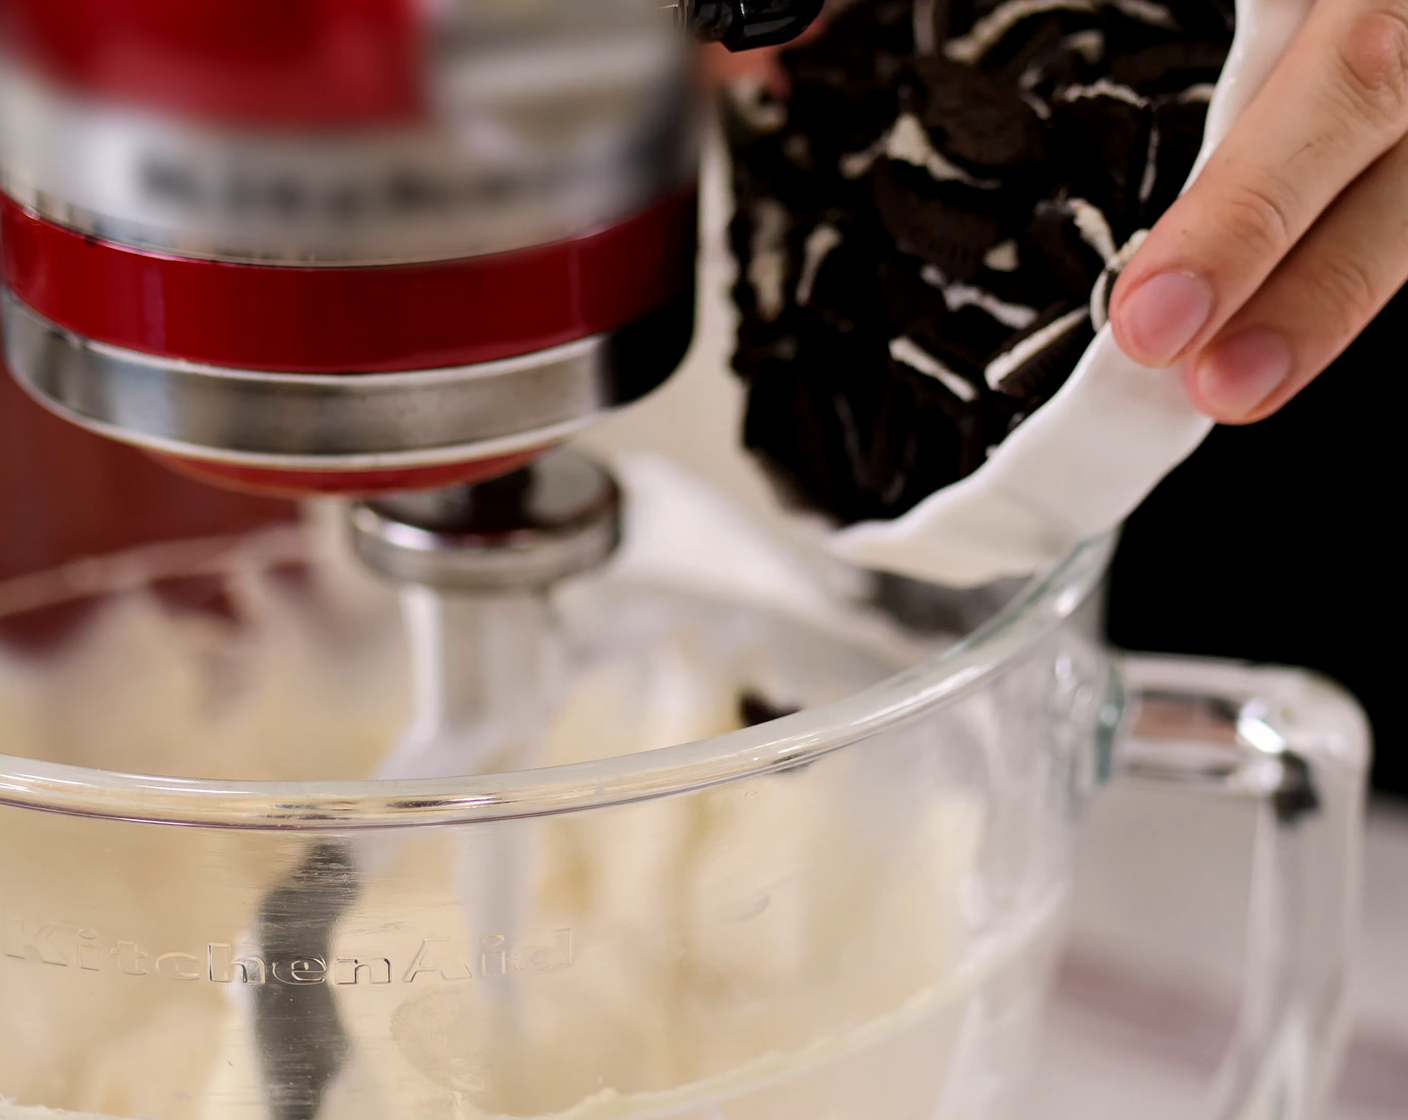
351, 246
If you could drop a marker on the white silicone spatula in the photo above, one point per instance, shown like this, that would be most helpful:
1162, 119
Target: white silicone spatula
1086, 459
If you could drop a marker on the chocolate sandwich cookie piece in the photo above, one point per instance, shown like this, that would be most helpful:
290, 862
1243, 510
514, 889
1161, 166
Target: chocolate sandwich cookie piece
751, 148
1105, 285
948, 224
797, 164
796, 147
760, 236
1036, 362
1030, 284
977, 119
954, 399
846, 64
1038, 46
755, 709
838, 435
762, 169
909, 142
974, 436
1223, 12
844, 93
742, 292
965, 13
885, 27
761, 346
1053, 59
790, 430
750, 111
1180, 120
1101, 135
946, 437
979, 418
910, 303
1166, 68
964, 386
960, 336
999, 36
1056, 254
920, 300
935, 22
1039, 361
836, 127
1132, 25
1005, 314
965, 339
859, 435
1212, 20
840, 261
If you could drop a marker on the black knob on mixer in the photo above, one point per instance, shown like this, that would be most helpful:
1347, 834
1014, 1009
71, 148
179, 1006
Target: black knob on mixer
741, 25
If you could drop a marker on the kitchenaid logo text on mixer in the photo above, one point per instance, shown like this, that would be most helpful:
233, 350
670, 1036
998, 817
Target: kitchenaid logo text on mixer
434, 960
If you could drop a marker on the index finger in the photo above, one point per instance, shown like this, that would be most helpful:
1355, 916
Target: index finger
1337, 101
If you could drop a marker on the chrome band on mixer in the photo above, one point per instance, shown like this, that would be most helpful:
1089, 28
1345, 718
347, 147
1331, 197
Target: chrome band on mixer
558, 518
341, 421
303, 243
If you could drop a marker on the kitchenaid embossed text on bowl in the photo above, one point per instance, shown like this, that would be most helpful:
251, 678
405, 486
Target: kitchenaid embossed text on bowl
848, 912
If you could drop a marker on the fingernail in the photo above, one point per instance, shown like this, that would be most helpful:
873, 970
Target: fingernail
1163, 315
1240, 374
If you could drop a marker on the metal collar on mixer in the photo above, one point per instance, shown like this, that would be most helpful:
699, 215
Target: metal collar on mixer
557, 518
341, 422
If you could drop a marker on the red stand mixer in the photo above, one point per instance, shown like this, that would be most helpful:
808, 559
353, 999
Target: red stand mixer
351, 246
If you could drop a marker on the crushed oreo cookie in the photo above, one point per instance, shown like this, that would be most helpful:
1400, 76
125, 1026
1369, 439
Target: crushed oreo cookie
1038, 360
977, 119
929, 224
754, 709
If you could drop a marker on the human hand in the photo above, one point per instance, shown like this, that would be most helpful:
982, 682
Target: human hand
1296, 233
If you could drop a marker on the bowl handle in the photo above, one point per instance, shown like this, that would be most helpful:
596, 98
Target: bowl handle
1298, 746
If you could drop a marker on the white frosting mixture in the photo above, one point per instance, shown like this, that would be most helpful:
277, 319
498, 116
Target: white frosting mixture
784, 948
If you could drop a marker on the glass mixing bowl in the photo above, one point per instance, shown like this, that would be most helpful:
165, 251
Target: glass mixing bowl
846, 913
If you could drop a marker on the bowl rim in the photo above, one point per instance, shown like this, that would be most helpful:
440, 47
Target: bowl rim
1043, 604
